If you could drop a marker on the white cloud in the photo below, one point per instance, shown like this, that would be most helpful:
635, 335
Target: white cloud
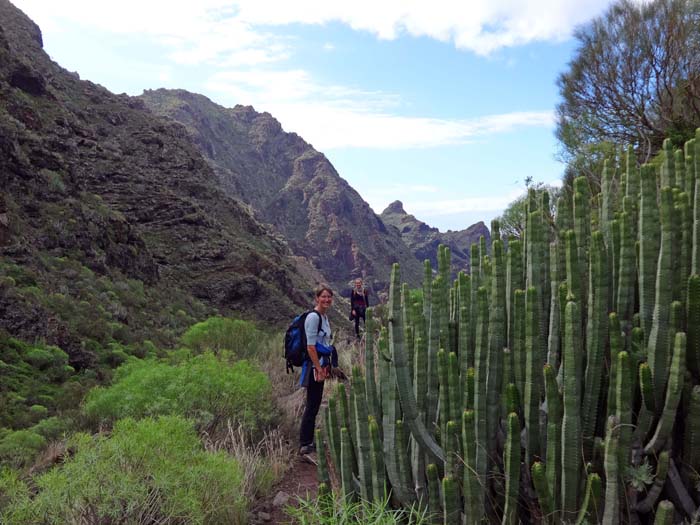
331, 116
440, 207
209, 29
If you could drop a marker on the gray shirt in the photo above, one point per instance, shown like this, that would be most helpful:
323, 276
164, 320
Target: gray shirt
313, 334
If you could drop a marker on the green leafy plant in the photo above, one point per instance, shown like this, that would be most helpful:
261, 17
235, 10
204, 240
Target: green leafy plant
148, 471
202, 388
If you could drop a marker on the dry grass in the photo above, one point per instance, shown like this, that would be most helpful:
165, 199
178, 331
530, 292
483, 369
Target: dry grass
263, 461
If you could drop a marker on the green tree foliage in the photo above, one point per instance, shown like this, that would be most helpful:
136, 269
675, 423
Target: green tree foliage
634, 79
515, 215
148, 471
202, 388
223, 333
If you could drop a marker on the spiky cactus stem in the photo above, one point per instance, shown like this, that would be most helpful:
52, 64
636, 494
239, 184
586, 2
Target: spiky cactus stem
658, 338
403, 381
649, 240
532, 387
612, 472
596, 329
480, 373
554, 443
665, 513
673, 395
473, 490
511, 460
497, 341
571, 421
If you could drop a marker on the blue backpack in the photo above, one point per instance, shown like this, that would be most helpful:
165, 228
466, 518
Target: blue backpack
295, 352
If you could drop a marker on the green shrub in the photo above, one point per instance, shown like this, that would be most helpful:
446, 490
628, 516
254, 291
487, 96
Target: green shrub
52, 428
19, 447
221, 333
202, 388
148, 471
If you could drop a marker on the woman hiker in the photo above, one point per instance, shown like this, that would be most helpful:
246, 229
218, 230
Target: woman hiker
318, 367
359, 301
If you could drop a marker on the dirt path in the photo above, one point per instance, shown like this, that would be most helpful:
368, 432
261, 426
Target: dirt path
299, 482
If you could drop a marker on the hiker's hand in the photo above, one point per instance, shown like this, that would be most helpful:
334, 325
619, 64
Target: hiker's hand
321, 373
353, 313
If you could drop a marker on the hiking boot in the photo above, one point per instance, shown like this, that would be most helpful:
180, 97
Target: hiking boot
307, 449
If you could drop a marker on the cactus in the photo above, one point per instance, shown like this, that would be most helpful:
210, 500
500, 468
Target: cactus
649, 241
648, 502
665, 513
658, 337
480, 373
596, 329
554, 415
693, 322
673, 395
346, 464
518, 349
362, 437
322, 464
571, 424
473, 490
403, 383
379, 488
514, 281
496, 341
544, 496
371, 392
532, 388
591, 508
612, 472
623, 400
450, 501
668, 178
691, 448
511, 460
434, 506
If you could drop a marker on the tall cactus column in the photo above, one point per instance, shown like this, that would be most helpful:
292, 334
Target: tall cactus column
658, 345
571, 421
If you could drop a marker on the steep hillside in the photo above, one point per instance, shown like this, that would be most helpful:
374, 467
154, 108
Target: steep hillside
423, 240
104, 202
291, 186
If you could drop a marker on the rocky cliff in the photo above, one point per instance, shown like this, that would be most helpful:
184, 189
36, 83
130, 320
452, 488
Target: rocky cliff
291, 186
423, 240
100, 187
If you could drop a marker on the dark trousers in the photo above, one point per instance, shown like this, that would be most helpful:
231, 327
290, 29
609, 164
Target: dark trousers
359, 312
314, 394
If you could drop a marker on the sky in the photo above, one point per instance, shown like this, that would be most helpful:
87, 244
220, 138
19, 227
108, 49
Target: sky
447, 106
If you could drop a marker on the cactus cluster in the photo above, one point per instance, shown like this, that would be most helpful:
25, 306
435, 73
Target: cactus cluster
541, 387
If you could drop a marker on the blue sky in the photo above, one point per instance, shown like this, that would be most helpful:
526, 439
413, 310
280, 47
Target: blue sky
447, 106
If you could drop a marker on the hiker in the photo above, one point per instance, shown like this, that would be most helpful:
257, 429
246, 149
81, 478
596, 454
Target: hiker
359, 301
317, 367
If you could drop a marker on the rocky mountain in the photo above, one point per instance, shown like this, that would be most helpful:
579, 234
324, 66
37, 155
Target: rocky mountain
291, 186
423, 240
100, 192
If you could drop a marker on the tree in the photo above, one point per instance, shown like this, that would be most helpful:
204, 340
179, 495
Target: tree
514, 217
634, 79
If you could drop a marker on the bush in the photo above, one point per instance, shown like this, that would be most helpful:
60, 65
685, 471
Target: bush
202, 388
148, 471
52, 428
18, 448
221, 333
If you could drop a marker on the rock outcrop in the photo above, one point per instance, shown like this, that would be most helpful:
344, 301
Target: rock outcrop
423, 240
291, 186
96, 178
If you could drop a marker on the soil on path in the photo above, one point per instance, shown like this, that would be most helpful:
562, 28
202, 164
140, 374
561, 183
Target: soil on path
299, 482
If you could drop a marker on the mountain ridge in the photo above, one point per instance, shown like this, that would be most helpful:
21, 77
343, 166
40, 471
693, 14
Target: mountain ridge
291, 186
